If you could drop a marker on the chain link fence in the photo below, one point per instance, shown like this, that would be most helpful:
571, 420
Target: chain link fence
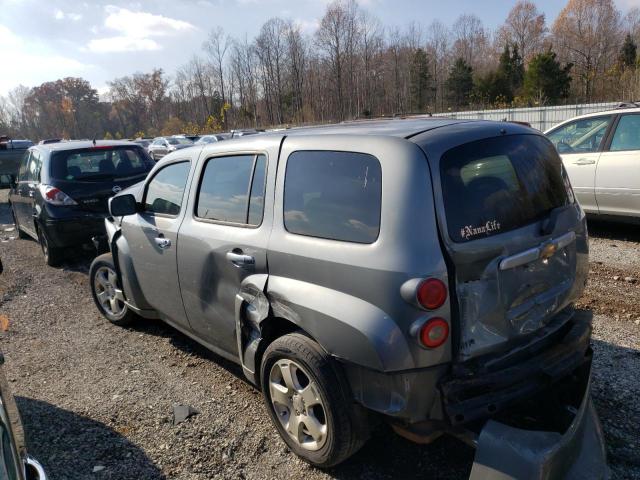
541, 118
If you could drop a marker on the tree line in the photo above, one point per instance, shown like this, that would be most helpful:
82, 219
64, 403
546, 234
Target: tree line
352, 66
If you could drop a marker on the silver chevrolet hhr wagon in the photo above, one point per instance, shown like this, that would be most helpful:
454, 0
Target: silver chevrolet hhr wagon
419, 271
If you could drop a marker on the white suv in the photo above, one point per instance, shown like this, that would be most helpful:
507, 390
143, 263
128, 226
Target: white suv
601, 153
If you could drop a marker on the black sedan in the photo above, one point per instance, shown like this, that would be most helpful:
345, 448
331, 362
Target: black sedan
60, 194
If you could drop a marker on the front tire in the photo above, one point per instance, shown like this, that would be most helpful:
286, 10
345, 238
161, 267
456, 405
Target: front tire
309, 401
106, 292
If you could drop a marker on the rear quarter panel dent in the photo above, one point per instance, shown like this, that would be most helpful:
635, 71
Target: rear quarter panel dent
345, 326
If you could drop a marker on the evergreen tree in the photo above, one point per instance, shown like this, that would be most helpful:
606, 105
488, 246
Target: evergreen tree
420, 81
512, 67
493, 89
501, 85
460, 83
546, 81
628, 53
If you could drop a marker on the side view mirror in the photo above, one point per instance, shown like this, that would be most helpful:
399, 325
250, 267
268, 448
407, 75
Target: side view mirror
123, 205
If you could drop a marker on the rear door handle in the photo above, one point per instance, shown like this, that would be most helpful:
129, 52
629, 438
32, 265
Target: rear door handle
162, 242
239, 259
584, 161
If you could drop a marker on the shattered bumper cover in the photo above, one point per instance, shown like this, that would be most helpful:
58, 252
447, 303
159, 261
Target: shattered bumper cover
506, 452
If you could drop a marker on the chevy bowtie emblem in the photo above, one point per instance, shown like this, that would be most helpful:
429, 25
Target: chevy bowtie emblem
548, 251
116, 189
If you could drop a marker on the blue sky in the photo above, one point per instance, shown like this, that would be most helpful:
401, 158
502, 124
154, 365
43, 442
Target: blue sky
104, 39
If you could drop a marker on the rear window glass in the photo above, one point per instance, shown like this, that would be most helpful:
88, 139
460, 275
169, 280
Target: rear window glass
98, 164
334, 195
500, 184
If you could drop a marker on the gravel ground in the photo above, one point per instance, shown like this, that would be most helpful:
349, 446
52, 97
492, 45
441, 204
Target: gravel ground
97, 397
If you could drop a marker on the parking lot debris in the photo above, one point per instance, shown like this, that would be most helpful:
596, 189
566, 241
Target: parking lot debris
182, 412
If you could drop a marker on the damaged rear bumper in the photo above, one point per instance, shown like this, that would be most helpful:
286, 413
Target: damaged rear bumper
542, 423
507, 452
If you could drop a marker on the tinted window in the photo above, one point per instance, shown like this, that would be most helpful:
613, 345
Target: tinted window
499, 184
627, 135
98, 164
166, 189
334, 195
226, 187
580, 136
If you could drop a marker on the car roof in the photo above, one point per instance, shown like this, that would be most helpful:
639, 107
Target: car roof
615, 111
403, 127
78, 144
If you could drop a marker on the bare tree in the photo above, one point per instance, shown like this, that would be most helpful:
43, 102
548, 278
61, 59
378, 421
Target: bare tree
438, 45
297, 58
469, 35
216, 47
371, 46
525, 28
587, 33
271, 47
334, 38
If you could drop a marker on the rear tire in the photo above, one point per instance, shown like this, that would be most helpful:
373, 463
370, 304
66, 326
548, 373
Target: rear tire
53, 256
309, 401
107, 293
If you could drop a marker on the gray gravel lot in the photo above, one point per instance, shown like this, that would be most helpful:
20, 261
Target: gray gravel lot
95, 395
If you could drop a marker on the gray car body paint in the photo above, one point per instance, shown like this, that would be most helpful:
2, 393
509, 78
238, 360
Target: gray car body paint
348, 296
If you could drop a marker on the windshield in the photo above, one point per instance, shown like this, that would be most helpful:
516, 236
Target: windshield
93, 164
500, 184
179, 141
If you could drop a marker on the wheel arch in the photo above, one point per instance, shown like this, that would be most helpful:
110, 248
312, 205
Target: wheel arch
346, 327
127, 277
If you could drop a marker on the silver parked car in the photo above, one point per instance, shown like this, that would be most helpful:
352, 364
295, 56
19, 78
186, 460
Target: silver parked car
164, 145
420, 271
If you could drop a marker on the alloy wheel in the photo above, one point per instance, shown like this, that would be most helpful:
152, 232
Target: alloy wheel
109, 296
295, 398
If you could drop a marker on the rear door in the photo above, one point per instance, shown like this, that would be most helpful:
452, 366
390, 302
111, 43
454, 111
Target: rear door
19, 192
618, 172
515, 237
579, 143
152, 236
33, 182
28, 181
224, 237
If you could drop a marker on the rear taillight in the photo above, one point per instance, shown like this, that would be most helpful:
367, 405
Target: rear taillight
55, 196
431, 293
434, 332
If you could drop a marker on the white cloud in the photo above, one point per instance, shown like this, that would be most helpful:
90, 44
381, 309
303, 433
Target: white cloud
143, 24
122, 44
60, 15
38, 63
135, 30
